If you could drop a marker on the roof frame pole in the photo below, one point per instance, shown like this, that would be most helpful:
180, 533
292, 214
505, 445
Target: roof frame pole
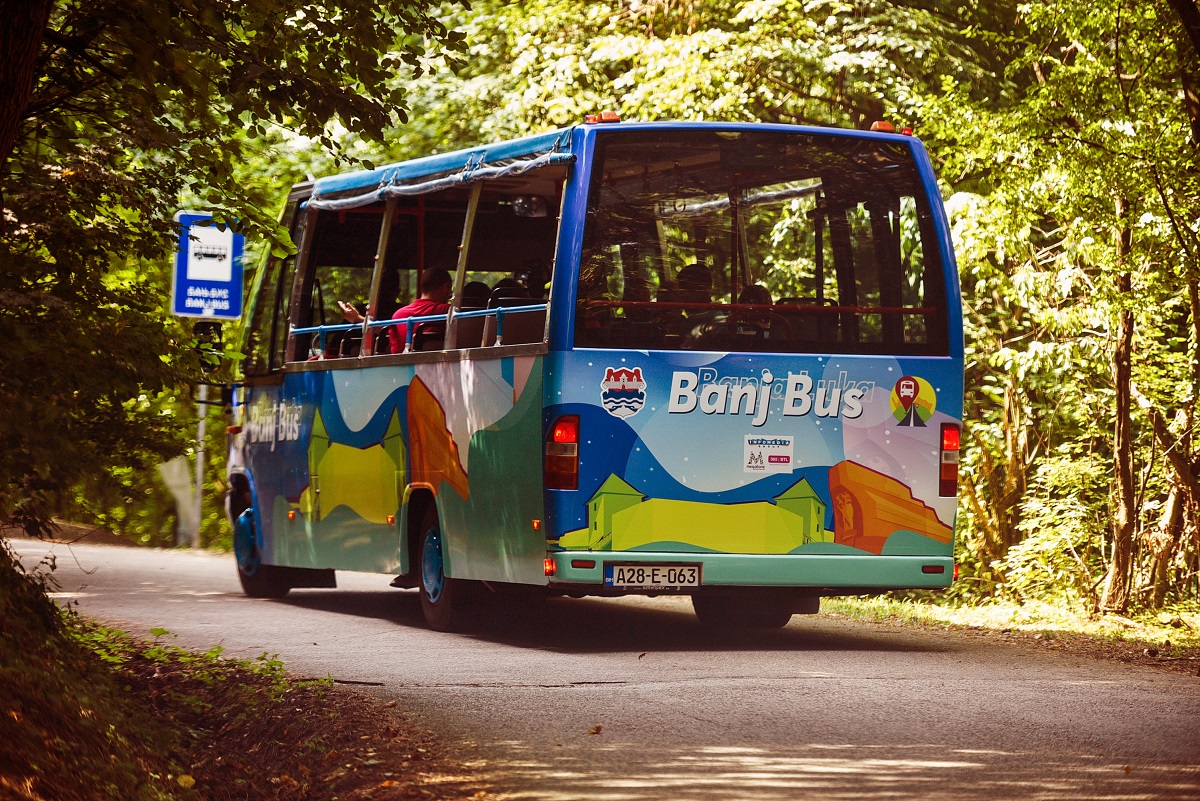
558, 244
296, 304
460, 272
736, 254
385, 233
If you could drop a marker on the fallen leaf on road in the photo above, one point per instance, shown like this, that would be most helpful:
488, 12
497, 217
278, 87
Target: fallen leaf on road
599, 727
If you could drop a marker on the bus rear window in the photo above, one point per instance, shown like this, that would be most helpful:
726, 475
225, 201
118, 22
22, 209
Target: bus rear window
759, 241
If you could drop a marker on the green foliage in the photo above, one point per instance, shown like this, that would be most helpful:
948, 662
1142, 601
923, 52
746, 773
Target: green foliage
1061, 524
128, 111
546, 64
1094, 144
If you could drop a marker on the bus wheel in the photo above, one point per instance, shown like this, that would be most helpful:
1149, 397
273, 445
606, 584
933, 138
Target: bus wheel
742, 612
442, 597
258, 580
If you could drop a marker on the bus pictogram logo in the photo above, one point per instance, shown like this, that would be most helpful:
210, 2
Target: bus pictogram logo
913, 401
623, 391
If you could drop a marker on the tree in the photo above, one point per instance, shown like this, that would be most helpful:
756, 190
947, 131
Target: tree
110, 112
1087, 176
546, 64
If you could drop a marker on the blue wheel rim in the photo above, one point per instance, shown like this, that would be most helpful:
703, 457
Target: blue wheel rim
245, 544
433, 577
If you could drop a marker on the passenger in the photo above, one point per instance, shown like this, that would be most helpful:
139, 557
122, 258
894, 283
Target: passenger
508, 283
436, 288
694, 284
475, 295
755, 295
507, 288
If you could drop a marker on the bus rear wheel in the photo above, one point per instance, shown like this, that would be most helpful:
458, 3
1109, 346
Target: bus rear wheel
442, 598
258, 580
740, 611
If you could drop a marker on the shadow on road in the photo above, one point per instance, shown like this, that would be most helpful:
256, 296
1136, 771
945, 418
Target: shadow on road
591, 626
932, 772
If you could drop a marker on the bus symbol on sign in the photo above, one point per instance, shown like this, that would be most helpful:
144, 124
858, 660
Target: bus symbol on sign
208, 252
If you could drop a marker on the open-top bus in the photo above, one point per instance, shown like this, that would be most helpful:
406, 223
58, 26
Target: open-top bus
717, 359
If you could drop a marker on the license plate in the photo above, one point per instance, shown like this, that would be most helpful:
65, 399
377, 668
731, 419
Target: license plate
648, 576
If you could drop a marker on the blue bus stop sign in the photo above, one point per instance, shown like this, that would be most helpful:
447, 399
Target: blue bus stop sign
208, 269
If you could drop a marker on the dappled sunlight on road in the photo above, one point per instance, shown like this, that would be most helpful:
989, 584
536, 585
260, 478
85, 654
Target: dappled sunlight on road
813, 771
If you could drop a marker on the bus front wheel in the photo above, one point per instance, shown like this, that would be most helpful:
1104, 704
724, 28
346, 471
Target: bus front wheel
258, 580
442, 597
740, 612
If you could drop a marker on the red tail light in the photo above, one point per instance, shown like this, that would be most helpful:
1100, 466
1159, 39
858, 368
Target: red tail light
948, 470
561, 469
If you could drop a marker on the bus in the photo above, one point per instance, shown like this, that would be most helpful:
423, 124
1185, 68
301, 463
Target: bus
723, 360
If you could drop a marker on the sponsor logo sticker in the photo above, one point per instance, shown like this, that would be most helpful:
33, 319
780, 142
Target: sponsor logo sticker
765, 455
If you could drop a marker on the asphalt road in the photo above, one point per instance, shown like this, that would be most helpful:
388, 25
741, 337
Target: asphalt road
826, 708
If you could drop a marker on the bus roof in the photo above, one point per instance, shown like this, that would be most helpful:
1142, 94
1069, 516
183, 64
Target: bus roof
366, 180
370, 184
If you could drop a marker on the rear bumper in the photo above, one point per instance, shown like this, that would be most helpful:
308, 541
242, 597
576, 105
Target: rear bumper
831, 574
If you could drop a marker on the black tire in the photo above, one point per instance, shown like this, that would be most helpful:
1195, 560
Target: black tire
443, 599
258, 580
740, 612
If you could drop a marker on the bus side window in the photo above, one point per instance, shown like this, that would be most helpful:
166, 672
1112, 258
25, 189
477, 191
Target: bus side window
266, 332
341, 261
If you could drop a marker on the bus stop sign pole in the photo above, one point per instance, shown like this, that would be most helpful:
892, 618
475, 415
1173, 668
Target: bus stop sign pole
207, 284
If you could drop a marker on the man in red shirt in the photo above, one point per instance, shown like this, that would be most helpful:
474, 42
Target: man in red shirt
436, 288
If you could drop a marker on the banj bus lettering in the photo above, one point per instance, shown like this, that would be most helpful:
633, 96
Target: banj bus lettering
731, 367
714, 394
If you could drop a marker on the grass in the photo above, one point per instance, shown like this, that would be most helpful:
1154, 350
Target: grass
89, 713
1177, 627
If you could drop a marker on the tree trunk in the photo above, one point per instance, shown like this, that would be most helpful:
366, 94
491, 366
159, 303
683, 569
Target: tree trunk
1189, 15
1116, 583
995, 495
1162, 544
20, 41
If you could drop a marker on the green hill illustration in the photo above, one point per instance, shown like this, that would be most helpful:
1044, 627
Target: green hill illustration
621, 518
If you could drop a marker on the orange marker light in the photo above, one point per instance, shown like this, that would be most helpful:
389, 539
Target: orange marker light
548, 566
391, 520
537, 525
603, 116
291, 514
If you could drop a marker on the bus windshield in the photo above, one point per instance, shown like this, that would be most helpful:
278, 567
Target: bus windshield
759, 241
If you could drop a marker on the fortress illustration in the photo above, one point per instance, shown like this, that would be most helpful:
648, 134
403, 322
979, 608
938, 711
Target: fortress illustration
868, 508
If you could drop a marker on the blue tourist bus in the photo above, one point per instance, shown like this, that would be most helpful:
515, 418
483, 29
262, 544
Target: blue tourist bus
715, 359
